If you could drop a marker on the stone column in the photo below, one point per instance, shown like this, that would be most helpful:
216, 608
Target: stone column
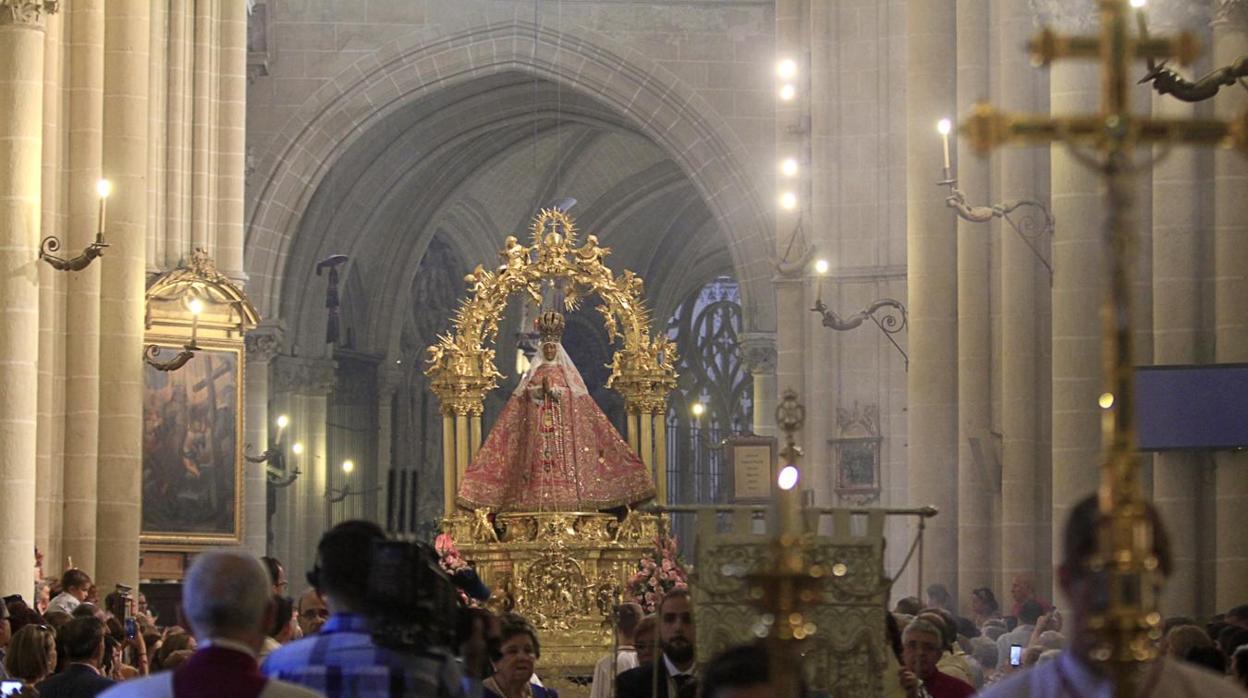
82, 311
51, 305
263, 344
231, 122
21, 129
1230, 41
1021, 272
931, 278
1178, 224
389, 378
304, 385
759, 355
1078, 288
974, 245
122, 287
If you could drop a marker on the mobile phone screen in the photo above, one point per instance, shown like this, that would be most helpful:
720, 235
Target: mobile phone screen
1016, 655
10, 688
131, 628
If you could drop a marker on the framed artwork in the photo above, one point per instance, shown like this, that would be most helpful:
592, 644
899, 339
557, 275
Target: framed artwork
192, 448
751, 469
856, 454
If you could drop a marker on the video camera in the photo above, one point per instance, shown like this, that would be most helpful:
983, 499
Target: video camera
412, 604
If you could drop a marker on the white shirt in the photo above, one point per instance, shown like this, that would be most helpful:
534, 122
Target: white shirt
65, 602
1068, 677
604, 679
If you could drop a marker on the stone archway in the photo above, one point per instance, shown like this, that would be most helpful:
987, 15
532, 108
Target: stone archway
410, 69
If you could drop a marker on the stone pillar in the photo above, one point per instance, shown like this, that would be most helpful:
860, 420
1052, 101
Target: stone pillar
931, 278
51, 307
1021, 273
303, 386
21, 129
1230, 42
389, 378
974, 245
122, 287
1178, 224
759, 355
1078, 287
231, 122
263, 344
82, 311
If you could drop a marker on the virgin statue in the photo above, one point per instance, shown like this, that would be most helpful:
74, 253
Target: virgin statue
552, 448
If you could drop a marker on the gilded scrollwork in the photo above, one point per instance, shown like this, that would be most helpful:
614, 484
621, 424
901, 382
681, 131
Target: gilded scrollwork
461, 365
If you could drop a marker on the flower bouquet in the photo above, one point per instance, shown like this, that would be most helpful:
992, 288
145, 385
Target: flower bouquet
658, 573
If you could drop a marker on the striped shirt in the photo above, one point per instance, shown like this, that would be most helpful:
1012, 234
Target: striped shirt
342, 660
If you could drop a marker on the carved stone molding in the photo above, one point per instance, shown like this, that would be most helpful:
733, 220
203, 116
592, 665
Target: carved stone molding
27, 12
1231, 12
264, 342
758, 352
1066, 15
291, 374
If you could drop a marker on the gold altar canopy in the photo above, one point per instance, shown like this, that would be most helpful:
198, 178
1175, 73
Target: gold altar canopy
461, 365
562, 570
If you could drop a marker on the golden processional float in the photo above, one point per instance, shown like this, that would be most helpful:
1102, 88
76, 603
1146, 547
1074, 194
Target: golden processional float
562, 570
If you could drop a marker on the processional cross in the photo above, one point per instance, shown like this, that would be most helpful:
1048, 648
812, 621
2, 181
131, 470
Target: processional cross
1124, 555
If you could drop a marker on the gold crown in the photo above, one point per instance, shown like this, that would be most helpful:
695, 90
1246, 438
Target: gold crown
550, 326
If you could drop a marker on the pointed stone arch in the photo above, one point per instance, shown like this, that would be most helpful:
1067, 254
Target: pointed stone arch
647, 95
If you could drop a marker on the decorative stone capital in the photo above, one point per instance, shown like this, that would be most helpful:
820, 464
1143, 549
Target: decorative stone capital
292, 374
27, 12
1233, 12
758, 352
1066, 15
264, 342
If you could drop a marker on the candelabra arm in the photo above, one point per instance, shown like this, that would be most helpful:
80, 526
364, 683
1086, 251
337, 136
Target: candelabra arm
269, 455
982, 214
890, 322
173, 364
334, 495
1168, 82
975, 214
277, 478
52, 244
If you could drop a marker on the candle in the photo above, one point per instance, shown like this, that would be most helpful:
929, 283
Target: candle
821, 268
197, 307
102, 187
944, 126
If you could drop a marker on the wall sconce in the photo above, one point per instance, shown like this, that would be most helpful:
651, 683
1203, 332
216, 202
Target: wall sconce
1168, 82
982, 214
334, 495
275, 457
150, 354
52, 244
889, 315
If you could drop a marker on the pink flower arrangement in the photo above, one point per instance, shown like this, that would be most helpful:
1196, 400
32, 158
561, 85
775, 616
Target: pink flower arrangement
657, 574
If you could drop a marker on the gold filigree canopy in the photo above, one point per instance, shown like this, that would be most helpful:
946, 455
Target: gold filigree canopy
461, 364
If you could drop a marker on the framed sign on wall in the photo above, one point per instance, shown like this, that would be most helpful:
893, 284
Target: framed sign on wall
751, 469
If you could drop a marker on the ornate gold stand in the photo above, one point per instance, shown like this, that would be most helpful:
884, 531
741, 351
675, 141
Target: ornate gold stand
564, 571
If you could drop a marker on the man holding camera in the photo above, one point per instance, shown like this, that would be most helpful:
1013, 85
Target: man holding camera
343, 659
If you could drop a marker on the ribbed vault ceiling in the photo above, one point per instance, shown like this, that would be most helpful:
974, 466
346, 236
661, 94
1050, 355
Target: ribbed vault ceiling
475, 162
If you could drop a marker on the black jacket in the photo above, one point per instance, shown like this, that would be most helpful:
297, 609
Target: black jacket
637, 683
76, 681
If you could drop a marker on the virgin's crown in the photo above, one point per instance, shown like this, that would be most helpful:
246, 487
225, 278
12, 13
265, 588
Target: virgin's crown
550, 326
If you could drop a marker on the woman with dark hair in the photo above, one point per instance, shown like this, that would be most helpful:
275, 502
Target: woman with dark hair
518, 653
984, 606
283, 625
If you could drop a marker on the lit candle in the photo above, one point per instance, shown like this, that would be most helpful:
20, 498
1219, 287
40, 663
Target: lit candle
197, 307
103, 188
944, 126
821, 268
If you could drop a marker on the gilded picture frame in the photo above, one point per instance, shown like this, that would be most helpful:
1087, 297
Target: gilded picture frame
193, 466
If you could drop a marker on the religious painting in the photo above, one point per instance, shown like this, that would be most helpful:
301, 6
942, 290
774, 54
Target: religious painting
751, 468
192, 457
856, 455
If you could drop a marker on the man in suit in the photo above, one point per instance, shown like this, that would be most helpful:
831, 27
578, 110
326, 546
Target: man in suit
83, 643
676, 677
226, 600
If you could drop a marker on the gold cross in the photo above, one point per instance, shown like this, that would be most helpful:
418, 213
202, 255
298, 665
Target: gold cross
1124, 537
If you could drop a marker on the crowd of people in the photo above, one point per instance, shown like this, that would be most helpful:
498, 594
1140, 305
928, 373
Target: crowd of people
240, 634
